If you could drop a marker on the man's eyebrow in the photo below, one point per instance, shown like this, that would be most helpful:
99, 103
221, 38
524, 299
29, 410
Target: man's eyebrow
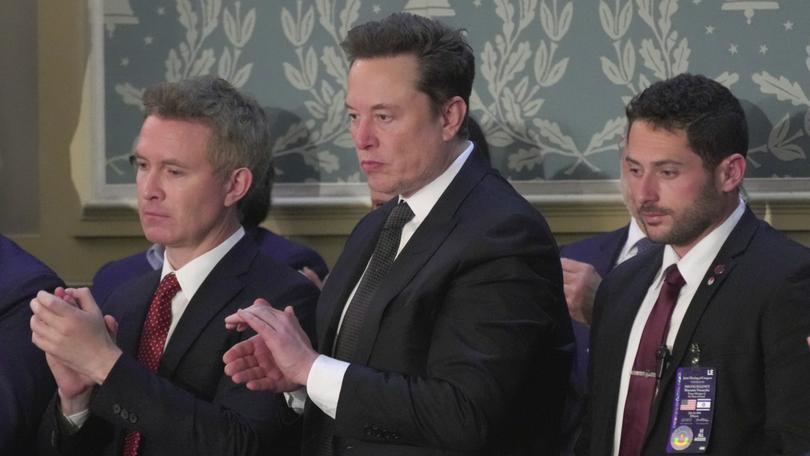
658, 163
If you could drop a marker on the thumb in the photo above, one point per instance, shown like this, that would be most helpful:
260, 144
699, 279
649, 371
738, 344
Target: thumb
112, 326
289, 310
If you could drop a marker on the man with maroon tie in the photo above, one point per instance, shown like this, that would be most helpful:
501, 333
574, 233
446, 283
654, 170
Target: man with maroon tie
160, 388
698, 345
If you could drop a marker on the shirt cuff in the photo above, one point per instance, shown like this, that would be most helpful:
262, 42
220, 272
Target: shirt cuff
296, 400
324, 382
76, 420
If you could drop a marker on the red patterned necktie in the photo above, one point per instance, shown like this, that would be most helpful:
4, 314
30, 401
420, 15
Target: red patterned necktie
643, 378
153, 338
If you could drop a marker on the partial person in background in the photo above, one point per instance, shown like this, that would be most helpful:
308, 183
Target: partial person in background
584, 264
160, 389
26, 384
255, 210
698, 345
442, 329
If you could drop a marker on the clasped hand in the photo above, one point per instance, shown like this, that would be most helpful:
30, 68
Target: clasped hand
77, 339
278, 358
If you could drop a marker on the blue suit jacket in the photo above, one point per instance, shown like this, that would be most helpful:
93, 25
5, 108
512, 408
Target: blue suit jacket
26, 383
601, 252
295, 255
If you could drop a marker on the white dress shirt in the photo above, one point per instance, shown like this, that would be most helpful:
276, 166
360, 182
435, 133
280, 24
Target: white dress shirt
326, 376
693, 267
190, 277
629, 249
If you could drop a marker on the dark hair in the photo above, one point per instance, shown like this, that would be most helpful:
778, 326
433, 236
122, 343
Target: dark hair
710, 114
239, 126
446, 60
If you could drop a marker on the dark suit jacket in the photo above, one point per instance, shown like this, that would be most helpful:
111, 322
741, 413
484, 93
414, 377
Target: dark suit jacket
601, 252
466, 345
750, 323
191, 406
113, 274
26, 383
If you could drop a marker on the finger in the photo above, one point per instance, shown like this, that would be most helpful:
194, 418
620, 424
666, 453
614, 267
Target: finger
64, 293
235, 321
249, 374
112, 326
567, 264
48, 304
239, 350
240, 364
289, 310
260, 324
261, 385
85, 299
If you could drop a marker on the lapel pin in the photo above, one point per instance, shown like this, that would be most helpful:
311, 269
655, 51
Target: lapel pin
710, 281
720, 269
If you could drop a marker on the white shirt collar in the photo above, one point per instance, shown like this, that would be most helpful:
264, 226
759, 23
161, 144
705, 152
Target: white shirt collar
423, 200
634, 233
696, 262
193, 274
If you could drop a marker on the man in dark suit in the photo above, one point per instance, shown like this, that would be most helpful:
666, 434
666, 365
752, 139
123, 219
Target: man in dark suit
160, 390
26, 384
698, 345
461, 343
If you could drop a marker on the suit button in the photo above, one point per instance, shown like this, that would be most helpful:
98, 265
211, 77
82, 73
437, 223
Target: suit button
133, 418
116, 409
124, 414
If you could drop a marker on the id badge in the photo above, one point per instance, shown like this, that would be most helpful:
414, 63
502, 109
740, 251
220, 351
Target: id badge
692, 410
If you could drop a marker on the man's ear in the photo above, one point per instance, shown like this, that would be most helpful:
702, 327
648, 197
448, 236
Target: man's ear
453, 113
237, 185
730, 172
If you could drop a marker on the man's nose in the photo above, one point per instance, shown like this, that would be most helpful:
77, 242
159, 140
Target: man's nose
363, 134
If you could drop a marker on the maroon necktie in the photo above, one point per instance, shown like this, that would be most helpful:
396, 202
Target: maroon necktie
153, 337
643, 377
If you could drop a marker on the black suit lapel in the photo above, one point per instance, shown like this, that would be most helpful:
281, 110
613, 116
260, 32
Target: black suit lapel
625, 299
216, 292
420, 248
129, 305
712, 282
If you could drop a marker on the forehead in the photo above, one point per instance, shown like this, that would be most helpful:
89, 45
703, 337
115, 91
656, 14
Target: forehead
166, 138
382, 78
646, 142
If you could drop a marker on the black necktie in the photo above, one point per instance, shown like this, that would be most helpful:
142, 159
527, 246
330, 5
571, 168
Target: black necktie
381, 259
380, 264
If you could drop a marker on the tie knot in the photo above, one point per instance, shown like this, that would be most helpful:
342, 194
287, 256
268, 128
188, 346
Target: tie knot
643, 244
169, 286
399, 216
673, 276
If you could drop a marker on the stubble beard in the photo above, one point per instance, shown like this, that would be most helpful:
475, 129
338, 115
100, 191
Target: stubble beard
690, 224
